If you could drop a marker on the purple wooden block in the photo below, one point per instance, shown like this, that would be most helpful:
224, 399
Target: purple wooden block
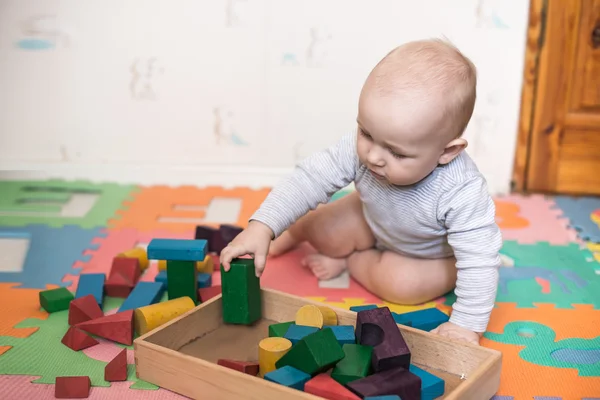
212, 236
377, 328
229, 232
397, 381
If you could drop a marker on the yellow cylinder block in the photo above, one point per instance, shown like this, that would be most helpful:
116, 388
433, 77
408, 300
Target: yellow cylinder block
317, 316
270, 350
150, 317
204, 267
138, 253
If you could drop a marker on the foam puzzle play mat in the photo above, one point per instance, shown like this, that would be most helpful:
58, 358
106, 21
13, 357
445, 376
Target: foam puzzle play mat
87, 268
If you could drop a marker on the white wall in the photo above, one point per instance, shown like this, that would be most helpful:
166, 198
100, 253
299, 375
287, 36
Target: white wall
227, 91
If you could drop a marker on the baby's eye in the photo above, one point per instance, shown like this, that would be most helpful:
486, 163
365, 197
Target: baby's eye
395, 155
364, 134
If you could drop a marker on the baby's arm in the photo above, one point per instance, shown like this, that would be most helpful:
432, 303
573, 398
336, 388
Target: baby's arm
313, 182
469, 215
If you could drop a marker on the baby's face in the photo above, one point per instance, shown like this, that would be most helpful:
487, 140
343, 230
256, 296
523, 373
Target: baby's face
399, 138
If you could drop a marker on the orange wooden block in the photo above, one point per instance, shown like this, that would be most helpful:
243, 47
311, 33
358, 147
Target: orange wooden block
77, 340
116, 327
84, 309
116, 369
325, 386
72, 387
247, 367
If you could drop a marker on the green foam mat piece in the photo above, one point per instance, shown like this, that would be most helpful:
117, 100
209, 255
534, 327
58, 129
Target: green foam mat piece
43, 354
41, 202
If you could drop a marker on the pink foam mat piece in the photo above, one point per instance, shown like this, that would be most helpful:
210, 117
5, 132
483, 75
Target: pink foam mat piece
19, 387
545, 224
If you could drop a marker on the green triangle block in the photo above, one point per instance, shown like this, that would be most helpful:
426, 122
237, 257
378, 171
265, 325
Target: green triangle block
314, 353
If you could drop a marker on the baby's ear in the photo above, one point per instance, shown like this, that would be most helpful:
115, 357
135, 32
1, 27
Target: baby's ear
452, 150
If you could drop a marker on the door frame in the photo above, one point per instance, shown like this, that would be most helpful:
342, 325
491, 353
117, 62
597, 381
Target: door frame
534, 43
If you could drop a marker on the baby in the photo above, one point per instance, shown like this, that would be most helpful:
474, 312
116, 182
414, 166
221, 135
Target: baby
421, 221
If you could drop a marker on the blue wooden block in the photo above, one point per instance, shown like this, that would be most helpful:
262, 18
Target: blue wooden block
296, 332
288, 376
343, 333
161, 277
401, 319
204, 280
363, 308
91, 284
425, 320
143, 294
386, 397
177, 249
431, 386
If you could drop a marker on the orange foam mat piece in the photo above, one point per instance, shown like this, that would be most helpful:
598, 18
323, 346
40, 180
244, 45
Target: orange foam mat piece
17, 305
151, 204
525, 380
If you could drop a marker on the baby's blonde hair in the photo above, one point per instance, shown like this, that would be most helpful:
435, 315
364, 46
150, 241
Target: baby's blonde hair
431, 66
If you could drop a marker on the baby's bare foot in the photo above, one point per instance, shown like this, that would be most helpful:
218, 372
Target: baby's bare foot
284, 243
324, 267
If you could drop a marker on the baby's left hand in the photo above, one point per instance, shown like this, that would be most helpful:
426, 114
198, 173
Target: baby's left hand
452, 331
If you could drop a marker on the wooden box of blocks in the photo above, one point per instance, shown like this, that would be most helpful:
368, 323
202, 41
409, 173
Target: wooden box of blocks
182, 355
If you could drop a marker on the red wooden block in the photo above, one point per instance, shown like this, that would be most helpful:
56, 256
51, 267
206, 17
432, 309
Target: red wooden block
124, 274
84, 309
72, 387
77, 340
116, 369
118, 286
398, 381
116, 327
208, 293
247, 367
325, 386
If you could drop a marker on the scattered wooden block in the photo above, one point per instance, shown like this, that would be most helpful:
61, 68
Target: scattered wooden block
355, 365
206, 266
247, 367
270, 350
212, 236
288, 376
205, 294
116, 327
343, 333
177, 249
152, 316
297, 332
76, 339
399, 319
363, 307
314, 353
280, 329
162, 276
143, 294
229, 232
116, 369
72, 387
91, 284
241, 293
377, 328
204, 280
324, 386
139, 253
426, 320
124, 274
317, 316
182, 280
431, 386
84, 309
398, 381
118, 286
53, 300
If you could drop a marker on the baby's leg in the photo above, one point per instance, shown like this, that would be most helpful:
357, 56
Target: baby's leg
402, 280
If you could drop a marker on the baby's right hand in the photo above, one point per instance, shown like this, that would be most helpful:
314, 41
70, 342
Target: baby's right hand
254, 241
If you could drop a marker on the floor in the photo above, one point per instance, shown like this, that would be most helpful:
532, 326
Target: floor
546, 321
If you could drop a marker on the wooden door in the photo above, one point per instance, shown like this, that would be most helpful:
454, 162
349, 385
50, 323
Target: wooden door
558, 148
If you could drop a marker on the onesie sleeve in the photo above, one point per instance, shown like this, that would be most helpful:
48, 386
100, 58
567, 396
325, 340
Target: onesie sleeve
469, 212
313, 182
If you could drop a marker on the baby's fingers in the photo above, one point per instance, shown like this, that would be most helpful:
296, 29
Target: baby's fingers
229, 253
259, 263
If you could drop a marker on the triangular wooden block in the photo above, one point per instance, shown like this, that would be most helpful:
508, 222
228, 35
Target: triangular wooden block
118, 286
116, 327
76, 339
84, 309
247, 367
116, 369
325, 386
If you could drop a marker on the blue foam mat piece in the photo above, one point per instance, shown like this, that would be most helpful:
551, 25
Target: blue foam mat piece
579, 212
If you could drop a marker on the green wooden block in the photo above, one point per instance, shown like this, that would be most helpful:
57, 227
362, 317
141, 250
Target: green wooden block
279, 330
314, 353
56, 299
182, 279
241, 295
356, 363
